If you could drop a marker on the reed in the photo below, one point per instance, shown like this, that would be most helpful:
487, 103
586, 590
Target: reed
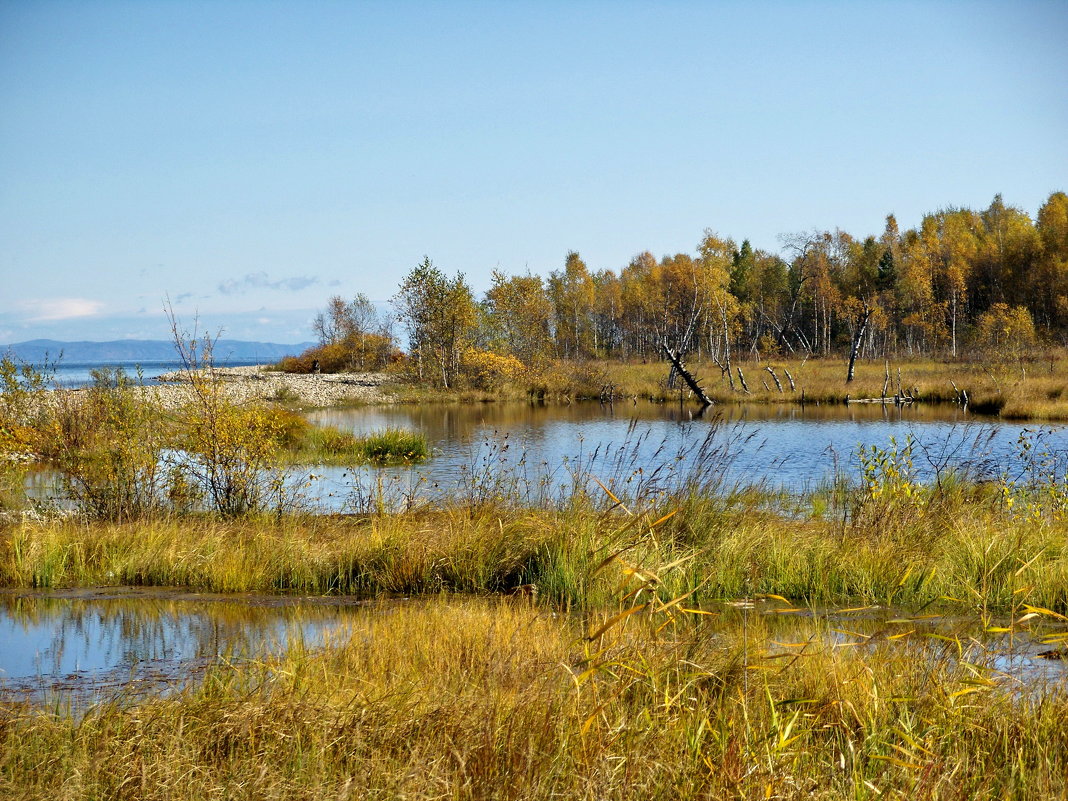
393, 446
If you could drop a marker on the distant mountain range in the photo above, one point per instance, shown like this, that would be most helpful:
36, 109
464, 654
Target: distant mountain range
145, 350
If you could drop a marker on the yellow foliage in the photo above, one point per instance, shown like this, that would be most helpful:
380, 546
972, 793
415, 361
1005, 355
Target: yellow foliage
354, 353
487, 370
16, 439
1004, 332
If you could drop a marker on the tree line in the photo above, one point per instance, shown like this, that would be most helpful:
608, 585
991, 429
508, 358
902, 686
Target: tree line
961, 282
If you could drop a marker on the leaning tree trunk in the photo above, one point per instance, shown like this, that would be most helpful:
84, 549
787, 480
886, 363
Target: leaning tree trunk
687, 376
858, 338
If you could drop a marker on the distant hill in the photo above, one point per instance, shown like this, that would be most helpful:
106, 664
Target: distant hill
145, 350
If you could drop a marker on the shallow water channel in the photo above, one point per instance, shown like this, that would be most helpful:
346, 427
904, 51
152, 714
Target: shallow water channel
74, 647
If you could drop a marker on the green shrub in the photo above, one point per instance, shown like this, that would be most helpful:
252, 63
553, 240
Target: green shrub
394, 445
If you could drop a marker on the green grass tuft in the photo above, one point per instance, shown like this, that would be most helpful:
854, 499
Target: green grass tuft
394, 445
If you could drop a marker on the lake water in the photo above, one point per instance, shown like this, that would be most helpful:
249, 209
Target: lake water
541, 453
79, 374
541, 449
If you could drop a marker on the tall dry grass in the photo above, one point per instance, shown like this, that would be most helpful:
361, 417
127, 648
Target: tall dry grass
1033, 389
484, 699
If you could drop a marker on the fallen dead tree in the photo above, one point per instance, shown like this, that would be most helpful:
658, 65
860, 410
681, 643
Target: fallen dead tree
687, 376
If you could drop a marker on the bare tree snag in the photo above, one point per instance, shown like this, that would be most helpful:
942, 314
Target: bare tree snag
778, 386
858, 338
687, 376
741, 378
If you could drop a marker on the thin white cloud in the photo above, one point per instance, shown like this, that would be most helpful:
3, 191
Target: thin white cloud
260, 280
61, 309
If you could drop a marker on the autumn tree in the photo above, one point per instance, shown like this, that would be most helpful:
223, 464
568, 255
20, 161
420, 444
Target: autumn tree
1005, 333
352, 336
518, 314
641, 298
439, 315
959, 246
1051, 295
607, 313
571, 292
717, 255
769, 295
914, 298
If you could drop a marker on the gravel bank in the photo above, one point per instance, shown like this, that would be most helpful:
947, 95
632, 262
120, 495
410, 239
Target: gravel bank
256, 383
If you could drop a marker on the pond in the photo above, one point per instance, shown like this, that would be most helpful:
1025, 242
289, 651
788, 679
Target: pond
541, 449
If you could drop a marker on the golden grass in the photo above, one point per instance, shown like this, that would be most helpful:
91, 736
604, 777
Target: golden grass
476, 699
960, 542
1031, 390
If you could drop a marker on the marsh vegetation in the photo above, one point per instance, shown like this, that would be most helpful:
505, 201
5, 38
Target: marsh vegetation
613, 629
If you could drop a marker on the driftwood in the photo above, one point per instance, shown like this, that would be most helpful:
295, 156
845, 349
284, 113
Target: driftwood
687, 376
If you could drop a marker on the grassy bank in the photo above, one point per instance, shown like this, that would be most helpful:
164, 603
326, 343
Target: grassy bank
1031, 390
480, 699
975, 547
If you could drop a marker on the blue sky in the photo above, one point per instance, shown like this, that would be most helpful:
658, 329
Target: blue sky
248, 160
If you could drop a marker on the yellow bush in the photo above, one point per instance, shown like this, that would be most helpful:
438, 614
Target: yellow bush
354, 353
1005, 332
16, 439
487, 370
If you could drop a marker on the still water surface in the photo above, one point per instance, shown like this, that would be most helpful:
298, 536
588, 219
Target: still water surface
86, 643
534, 453
782, 447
